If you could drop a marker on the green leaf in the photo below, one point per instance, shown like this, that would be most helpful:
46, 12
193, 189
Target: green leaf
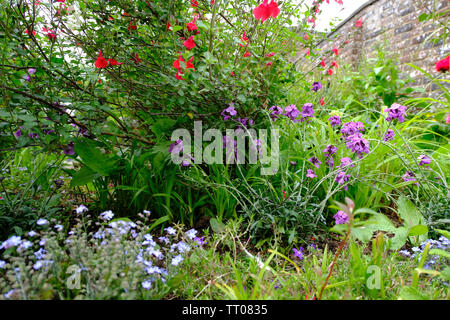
94, 158
440, 252
217, 226
409, 293
418, 230
84, 176
444, 233
158, 222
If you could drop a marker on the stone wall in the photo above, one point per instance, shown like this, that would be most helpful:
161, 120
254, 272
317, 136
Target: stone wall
394, 21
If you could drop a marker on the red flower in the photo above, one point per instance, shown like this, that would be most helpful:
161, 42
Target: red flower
189, 65
194, 3
247, 54
330, 72
189, 43
50, 33
334, 64
336, 50
32, 32
448, 119
244, 39
192, 26
308, 52
359, 23
136, 60
264, 11
269, 64
178, 76
322, 63
101, 62
270, 54
113, 62
443, 65
322, 101
132, 26
169, 26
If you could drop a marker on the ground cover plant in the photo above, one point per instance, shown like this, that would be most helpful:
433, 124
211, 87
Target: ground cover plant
293, 184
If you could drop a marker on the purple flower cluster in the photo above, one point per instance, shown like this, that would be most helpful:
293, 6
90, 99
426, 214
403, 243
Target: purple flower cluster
229, 112
335, 121
330, 150
275, 111
69, 149
307, 111
315, 161
316, 86
389, 136
351, 131
409, 176
346, 162
396, 111
351, 128
423, 160
342, 178
176, 147
358, 144
310, 174
341, 217
292, 112
245, 122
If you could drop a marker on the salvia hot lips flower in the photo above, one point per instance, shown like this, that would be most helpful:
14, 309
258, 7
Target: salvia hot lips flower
266, 10
191, 26
101, 62
443, 65
190, 43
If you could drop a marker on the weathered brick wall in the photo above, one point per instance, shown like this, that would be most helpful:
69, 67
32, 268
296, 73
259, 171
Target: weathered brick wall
394, 21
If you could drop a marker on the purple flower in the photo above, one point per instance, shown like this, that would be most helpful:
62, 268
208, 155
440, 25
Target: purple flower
335, 121
409, 176
176, 147
396, 111
316, 86
33, 135
293, 163
200, 240
69, 149
342, 178
315, 161
18, 133
245, 122
358, 144
185, 163
275, 112
351, 128
389, 136
229, 112
298, 253
423, 160
345, 162
310, 174
27, 78
330, 162
308, 110
330, 150
292, 112
341, 217
31, 71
